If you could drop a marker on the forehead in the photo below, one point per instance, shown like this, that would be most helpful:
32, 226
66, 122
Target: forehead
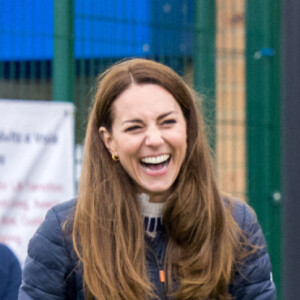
144, 99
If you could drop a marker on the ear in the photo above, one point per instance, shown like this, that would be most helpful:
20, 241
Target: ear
108, 140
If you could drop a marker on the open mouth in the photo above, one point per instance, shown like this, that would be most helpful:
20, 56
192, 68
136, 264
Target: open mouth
156, 163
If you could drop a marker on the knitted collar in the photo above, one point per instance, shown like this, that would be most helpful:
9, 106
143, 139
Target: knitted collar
152, 213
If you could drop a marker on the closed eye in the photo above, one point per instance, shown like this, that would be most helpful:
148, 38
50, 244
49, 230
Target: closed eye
132, 128
169, 122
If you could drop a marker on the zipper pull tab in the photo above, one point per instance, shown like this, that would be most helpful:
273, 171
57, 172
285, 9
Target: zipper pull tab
162, 276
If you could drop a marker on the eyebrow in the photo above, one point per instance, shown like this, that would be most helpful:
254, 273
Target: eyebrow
165, 115
140, 121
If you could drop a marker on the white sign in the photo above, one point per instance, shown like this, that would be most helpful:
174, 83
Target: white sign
36, 166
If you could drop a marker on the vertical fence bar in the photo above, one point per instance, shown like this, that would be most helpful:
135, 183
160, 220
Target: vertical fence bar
291, 148
263, 121
275, 146
204, 60
63, 61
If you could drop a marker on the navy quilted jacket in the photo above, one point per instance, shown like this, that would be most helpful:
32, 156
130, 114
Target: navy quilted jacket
50, 271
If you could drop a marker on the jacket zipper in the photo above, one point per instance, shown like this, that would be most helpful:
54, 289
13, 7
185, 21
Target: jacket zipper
162, 276
161, 271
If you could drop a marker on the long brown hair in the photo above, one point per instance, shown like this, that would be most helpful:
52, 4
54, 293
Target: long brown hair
108, 230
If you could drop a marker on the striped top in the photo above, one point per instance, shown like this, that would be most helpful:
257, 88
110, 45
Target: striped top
152, 213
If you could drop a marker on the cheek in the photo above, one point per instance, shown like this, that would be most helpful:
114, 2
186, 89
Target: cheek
179, 140
127, 148
182, 146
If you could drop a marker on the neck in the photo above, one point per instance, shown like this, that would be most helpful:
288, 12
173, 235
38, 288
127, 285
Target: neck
158, 197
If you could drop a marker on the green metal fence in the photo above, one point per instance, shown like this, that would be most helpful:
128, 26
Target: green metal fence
263, 122
228, 50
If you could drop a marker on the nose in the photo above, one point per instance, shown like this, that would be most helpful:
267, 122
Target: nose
153, 137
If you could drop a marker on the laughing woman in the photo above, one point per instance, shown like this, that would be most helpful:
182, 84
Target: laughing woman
149, 221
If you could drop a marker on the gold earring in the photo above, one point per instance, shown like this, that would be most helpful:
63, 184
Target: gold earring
115, 157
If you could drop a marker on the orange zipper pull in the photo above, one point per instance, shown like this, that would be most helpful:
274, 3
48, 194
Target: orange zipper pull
162, 276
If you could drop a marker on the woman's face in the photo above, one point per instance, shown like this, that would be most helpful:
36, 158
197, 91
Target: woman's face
149, 137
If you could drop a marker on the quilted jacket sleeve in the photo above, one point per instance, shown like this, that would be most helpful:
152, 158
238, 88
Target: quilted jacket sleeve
48, 263
253, 280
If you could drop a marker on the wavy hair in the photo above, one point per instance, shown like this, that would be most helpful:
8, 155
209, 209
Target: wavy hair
108, 232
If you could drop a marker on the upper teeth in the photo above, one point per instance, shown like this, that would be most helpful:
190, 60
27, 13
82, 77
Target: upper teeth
156, 160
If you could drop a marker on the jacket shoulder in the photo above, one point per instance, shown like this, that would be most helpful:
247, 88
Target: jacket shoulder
50, 256
64, 210
242, 213
246, 218
253, 278
50, 236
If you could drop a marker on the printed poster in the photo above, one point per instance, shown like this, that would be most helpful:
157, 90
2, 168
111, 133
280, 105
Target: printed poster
36, 166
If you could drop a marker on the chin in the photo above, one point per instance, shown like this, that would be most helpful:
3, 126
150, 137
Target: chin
157, 190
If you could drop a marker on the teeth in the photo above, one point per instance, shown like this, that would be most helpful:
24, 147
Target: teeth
156, 160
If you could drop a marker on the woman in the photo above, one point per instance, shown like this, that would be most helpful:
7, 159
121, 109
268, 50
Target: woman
149, 222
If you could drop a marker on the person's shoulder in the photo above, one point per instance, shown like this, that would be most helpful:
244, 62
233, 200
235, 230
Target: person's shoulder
52, 227
63, 211
4, 250
8, 258
241, 211
246, 218
6, 253
50, 254
52, 234
65, 208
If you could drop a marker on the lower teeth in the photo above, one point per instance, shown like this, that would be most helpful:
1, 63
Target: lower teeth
155, 166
